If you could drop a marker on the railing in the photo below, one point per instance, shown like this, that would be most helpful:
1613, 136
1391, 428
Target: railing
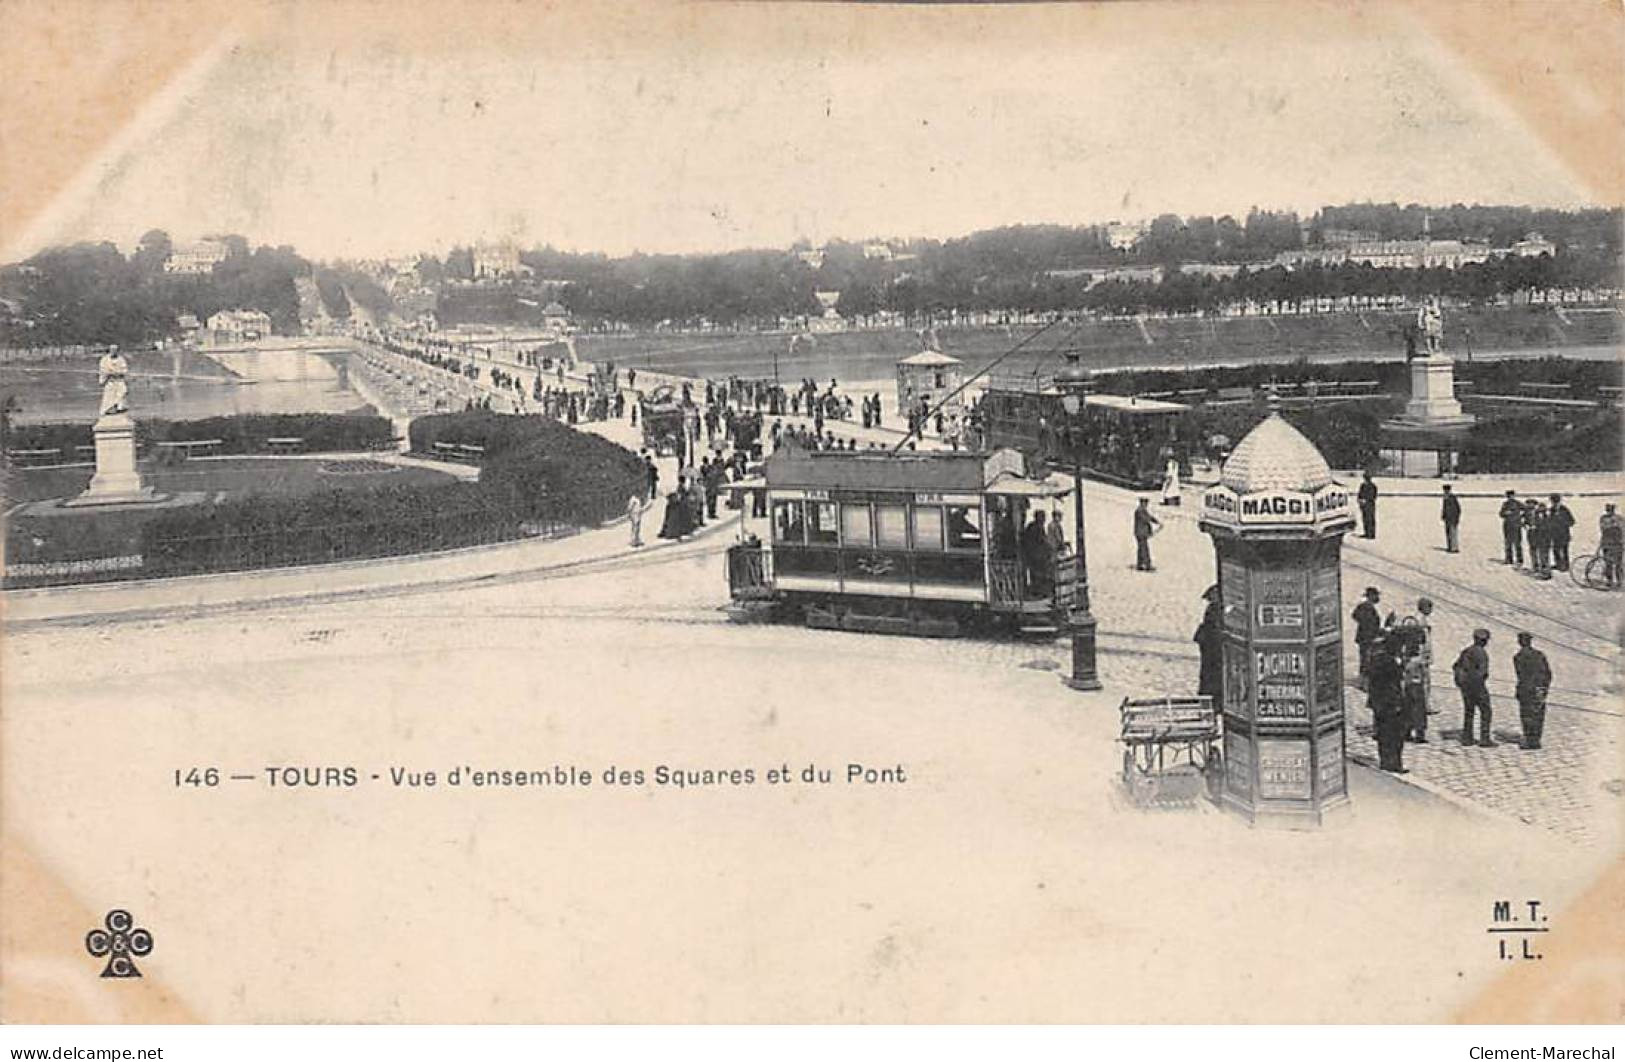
750, 570
1006, 584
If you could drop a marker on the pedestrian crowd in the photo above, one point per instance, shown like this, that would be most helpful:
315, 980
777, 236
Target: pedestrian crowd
1395, 669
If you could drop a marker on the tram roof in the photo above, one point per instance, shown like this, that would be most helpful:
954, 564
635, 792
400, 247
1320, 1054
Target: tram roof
1132, 404
912, 470
1125, 403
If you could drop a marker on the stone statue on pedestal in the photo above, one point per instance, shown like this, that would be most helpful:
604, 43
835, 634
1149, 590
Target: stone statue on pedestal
112, 373
1430, 322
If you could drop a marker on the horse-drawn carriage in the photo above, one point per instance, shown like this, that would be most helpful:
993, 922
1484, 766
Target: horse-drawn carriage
667, 422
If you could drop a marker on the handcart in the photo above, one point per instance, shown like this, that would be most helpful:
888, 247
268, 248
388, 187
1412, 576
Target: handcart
1171, 753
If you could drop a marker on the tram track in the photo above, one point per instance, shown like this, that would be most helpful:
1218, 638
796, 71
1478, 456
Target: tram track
1384, 569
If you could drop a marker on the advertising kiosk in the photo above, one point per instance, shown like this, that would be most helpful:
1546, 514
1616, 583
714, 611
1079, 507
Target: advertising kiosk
1277, 519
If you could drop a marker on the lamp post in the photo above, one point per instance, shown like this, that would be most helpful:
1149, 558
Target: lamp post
1073, 382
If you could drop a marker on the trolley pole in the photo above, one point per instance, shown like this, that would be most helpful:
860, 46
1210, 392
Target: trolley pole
1073, 383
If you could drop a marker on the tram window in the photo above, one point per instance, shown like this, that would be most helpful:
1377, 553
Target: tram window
788, 523
927, 527
964, 527
821, 527
891, 527
856, 527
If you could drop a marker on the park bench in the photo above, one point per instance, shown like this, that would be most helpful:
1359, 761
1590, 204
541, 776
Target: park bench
1549, 390
471, 453
85, 450
193, 447
285, 444
24, 458
1361, 387
446, 450
1234, 394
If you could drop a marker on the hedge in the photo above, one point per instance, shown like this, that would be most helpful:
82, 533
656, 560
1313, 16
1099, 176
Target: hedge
244, 433
1488, 377
1541, 444
268, 531
544, 477
538, 466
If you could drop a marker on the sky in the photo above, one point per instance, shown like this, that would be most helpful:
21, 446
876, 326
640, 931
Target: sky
680, 128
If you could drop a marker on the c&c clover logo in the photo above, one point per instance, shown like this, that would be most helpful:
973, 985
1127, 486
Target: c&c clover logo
121, 940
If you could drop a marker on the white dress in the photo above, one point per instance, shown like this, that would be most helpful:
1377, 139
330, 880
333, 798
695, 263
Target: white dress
1170, 483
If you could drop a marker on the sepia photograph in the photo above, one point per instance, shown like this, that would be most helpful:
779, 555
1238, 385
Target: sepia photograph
841, 514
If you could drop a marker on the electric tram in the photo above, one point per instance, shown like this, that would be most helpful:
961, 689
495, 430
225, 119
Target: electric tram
911, 543
1126, 440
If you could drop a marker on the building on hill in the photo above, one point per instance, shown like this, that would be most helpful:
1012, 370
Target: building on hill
1533, 245
1217, 270
830, 320
555, 318
238, 326
1123, 236
1151, 274
1344, 237
196, 259
497, 261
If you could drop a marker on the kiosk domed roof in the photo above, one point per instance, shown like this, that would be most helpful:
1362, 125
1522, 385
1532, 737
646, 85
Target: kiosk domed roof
1275, 456
929, 357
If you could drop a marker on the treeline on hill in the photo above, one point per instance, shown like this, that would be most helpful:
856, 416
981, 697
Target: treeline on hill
1051, 268
538, 476
91, 293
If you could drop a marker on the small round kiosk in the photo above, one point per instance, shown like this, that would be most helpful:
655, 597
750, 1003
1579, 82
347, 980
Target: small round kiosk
1277, 519
929, 377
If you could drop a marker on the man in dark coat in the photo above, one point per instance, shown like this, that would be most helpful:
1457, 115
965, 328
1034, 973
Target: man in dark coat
1210, 646
1035, 557
1368, 507
1387, 701
1472, 674
1560, 528
1367, 629
1534, 679
1450, 513
1512, 527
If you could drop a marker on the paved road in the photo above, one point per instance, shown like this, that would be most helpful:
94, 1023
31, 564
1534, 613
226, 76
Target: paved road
1004, 877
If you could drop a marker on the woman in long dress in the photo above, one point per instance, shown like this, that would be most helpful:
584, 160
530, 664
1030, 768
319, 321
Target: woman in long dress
1170, 482
676, 525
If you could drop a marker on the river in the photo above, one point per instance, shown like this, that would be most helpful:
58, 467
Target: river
184, 384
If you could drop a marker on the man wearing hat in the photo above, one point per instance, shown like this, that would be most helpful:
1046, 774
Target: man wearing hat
1560, 529
1534, 679
1367, 629
1511, 514
1387, 701
1472, 674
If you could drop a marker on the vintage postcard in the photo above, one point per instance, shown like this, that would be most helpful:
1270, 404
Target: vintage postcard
811, 513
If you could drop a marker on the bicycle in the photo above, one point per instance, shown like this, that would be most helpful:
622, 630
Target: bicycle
1590, 570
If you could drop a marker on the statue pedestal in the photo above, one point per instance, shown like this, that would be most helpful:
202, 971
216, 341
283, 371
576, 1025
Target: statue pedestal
1433, 396
117, 481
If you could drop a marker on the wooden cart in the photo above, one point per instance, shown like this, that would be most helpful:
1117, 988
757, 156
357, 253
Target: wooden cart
1171, 753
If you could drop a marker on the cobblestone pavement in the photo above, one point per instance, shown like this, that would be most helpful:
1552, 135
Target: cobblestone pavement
1574, 785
